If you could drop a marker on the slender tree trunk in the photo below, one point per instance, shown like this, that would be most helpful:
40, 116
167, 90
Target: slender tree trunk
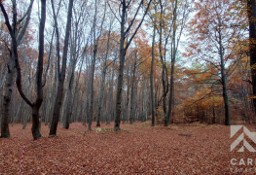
111, 109
39, 76
251, 12
173, 60
164, 69
126, 109
103, 75
152, 78
70, 94
119, 89
124, 45
133, 90
60, 89
163, 62
122, 54
225, 97
133, 102
102, 88
91, 90
224, 82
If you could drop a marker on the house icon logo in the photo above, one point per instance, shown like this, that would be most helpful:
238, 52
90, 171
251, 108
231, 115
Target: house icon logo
244, 141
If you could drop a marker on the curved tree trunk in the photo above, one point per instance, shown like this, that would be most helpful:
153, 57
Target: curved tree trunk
39, 76
16, 36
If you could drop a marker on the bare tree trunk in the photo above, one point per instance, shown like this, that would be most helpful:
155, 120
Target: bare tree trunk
152, 78
164, 67
110, 107
251, 11
91, 89
70, 94
124, 45
5, 133
224, 82
122, 54
60, 89
120, 82
102, 89
173, 60
127, 101
133, 91
103, 79
39, 76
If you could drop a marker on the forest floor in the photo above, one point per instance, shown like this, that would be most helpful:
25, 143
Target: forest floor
137, 149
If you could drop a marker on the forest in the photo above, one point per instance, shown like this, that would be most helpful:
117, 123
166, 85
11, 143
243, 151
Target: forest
161, 68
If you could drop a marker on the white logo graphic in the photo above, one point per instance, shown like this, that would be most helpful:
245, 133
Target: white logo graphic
241, 140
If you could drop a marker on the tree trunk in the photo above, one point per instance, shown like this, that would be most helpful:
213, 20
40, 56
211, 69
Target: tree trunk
127, 101
119, 89
122, 54
163, 62
173, 60
59, 97
35, 121
110, 107
102, 89
16, 38
124, 45
133, 91
5, 133
39, 76
251, 12
224, 83
91, 89
152, 79
70, 94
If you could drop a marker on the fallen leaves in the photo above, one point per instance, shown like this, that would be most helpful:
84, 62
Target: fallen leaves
137, 149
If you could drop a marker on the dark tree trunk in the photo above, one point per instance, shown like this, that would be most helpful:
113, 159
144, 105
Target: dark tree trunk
224, 82
119, 86
35, 121
164, 68
173, 60
12, 63
127, 103
59, 97
251, 11
56, 109
122, 53
91, 89
5, 133
39, 76
124, 44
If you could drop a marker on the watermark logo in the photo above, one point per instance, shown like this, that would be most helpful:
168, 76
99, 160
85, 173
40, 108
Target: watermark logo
241, 142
